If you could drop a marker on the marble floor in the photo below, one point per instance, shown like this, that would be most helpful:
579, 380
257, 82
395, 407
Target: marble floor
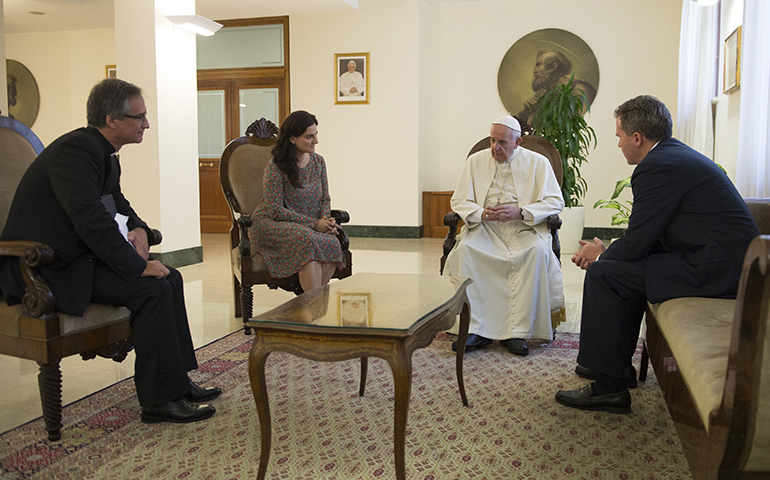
210, 306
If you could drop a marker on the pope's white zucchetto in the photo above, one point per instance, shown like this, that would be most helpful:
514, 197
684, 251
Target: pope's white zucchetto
509, 122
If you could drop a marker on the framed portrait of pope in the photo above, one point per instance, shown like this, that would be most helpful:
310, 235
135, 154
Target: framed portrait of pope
352, 78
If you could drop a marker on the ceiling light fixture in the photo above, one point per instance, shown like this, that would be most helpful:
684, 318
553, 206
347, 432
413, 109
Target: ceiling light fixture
195, 23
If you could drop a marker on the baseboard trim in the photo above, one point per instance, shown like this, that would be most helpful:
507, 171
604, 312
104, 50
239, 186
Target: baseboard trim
377, 231
180, 258
604, 233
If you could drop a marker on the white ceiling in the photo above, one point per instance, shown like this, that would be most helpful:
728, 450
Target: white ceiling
86, 14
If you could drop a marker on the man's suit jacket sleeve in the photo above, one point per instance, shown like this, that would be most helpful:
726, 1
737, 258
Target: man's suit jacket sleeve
76, 175
124, 208
657, 196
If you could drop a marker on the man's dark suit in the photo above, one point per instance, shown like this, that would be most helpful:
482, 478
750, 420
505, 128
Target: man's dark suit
687, 235
59, 202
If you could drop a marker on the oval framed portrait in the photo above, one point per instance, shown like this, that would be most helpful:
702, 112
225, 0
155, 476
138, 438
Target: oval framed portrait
539, 61
23, 94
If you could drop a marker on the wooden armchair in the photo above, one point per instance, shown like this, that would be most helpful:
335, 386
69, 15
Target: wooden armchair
240, 172
530, 142
34, 330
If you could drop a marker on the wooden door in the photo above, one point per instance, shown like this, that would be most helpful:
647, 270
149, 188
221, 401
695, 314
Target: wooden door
229, 100
225, 109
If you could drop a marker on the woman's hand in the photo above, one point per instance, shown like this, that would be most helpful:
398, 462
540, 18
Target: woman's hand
327, 225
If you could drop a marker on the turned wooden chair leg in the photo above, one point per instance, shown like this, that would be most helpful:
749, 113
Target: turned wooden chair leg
237, 292
247, 305
49, 381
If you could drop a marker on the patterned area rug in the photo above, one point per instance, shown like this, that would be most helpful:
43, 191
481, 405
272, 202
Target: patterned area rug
513, 428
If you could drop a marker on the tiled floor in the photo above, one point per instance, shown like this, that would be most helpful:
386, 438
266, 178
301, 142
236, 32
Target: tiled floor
210, 306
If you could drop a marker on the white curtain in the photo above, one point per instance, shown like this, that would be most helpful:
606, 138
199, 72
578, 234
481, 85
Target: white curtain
753, 169
698, 49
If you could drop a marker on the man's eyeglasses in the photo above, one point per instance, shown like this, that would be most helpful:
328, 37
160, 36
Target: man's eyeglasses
141, 117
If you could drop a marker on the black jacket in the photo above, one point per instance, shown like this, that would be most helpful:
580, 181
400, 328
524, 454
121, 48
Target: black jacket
58, 202
690, 223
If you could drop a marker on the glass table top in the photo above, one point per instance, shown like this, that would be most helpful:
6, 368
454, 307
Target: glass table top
368, 300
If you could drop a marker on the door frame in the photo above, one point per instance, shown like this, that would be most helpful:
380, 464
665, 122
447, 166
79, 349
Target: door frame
231, 80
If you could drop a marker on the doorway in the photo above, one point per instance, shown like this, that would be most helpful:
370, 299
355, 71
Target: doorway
229, 100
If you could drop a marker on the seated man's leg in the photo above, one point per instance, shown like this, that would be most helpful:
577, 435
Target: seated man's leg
614, 294
161, 335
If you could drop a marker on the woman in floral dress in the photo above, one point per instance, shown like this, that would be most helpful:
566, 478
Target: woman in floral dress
292, 229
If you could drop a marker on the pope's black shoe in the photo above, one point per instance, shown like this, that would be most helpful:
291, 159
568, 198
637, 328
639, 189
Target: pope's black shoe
584, 399
629, 375
199, 394
517, 346
177, 411
473, 342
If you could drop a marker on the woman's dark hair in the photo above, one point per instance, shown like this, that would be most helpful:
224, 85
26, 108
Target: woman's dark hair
285, 153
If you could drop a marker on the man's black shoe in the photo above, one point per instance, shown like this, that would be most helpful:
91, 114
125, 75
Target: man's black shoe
584, 399
177, 411
199, 394
517, 346
473, 342
629, 375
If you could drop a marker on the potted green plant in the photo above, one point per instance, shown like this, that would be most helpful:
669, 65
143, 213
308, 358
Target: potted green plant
623, 208
559, 119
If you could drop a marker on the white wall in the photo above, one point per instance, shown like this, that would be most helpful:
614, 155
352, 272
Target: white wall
433, 87
434, 90
371, 151
727, 121
636, 48
65, 65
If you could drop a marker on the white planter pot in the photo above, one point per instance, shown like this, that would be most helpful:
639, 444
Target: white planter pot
573, 220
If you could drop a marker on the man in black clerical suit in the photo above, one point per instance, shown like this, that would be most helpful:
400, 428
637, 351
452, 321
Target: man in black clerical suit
687, 235
68, 199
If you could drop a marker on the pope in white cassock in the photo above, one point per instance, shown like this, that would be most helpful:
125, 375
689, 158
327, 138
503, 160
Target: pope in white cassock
351, 83
504, 196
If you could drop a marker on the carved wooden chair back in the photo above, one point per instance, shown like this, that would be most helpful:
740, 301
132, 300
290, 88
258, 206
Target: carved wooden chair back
531, 142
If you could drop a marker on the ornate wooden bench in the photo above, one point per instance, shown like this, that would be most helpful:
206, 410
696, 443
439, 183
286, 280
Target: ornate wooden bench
710, 359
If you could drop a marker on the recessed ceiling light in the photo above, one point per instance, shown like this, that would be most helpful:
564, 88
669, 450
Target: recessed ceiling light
36, 13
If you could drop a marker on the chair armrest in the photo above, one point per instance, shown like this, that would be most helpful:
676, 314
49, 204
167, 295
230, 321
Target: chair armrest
340, 216
38, 299
155, 237
244, 247
553, 222
451, 220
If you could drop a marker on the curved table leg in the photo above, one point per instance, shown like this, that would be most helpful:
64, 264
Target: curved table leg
364, 369
257, 361
401, 365
465, 318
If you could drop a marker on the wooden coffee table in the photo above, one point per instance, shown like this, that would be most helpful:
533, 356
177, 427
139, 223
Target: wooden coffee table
365, 315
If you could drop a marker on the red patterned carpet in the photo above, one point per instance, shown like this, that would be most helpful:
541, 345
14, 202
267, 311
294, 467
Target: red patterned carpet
513, 428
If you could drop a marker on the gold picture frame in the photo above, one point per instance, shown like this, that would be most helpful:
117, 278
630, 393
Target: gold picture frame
110, 71
354, 309
347, 82
732, 74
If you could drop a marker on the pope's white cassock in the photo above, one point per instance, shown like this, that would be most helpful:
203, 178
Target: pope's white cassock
517, 285
351, 79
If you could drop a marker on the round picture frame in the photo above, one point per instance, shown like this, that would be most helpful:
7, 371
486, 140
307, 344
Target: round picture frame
23, 94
